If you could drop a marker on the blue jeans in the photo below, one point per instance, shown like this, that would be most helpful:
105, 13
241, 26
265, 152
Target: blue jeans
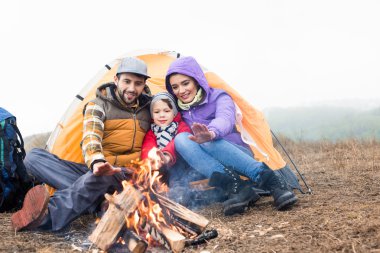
78, 190
213, 156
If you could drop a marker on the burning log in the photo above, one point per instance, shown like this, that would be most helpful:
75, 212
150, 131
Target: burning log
192, 220
108, 229
167, 237
182, 225
134, 242
129, 242
147, 212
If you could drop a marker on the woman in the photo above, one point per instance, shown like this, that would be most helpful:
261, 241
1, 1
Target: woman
216, 149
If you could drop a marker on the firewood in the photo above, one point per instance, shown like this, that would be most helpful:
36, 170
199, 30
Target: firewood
202, 185
108, 228
135, 243
197, 222
131, 242
184, 226
167, 237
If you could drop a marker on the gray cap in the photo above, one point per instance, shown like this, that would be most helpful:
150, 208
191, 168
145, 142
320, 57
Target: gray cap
164, 95
133, 65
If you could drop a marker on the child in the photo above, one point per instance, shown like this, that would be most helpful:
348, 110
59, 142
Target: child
167, 123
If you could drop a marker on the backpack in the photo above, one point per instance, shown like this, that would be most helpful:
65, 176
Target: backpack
14, 180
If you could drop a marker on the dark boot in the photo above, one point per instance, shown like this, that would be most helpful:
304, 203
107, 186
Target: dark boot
240, 193
283, 196
239, 203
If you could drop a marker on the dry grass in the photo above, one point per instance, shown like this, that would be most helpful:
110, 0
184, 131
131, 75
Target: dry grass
341, 216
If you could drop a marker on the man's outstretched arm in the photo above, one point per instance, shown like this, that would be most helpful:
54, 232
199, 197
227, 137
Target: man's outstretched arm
93, 129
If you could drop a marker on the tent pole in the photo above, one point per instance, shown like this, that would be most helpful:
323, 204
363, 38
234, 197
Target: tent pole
294, 165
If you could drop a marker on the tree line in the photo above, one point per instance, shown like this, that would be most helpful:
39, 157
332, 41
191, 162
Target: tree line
325, 122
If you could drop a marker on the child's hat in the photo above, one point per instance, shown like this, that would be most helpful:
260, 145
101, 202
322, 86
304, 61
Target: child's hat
164, 95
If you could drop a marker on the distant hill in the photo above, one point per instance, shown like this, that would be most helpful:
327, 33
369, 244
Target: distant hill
325, 122
36, 141
308, 123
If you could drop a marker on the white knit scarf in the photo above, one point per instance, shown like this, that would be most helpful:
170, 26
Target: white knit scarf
164, 134
197, 99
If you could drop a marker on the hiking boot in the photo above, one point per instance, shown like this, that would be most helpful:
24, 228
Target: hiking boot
33, 211
240, 193
238, 203
282, 195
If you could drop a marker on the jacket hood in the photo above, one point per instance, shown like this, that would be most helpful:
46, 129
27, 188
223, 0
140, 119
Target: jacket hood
188, 66
107, 92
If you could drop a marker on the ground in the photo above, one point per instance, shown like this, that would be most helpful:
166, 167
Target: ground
342, 214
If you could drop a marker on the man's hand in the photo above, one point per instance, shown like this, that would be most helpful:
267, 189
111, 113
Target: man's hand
201, 133
104, 169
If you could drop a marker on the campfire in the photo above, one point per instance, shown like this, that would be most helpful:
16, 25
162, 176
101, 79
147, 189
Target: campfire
141, 215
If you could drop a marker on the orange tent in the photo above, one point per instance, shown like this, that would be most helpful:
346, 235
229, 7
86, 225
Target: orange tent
65, 139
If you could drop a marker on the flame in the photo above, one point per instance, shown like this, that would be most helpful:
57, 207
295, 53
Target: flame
149, 217
146, 178
147, 237
121, 240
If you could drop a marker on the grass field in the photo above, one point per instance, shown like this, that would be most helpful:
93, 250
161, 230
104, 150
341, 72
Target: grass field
342, 214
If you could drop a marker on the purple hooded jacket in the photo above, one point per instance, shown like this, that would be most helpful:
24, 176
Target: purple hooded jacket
216, 111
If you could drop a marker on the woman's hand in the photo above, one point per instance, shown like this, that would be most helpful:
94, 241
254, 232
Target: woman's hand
201, 133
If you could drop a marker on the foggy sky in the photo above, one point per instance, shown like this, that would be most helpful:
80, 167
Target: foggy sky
275, 53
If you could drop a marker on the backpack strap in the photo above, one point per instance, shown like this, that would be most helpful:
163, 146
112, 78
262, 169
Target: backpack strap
4, 162
19, 144
2, 193
19, 154
5, 148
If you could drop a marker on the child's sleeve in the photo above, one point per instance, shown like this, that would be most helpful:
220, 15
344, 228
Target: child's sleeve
149, 142
170, 148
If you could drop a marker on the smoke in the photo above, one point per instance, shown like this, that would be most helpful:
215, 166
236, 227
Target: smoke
193, 198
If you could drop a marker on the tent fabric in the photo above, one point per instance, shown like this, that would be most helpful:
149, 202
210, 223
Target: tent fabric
65, 139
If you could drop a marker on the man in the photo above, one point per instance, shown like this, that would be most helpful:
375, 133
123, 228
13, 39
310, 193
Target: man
114, 126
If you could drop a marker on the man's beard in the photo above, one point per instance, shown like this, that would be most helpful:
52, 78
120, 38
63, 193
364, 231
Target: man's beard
123, 95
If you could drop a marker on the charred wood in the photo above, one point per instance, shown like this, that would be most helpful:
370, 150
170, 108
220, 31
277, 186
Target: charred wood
202, 238
167, 237
196, 222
